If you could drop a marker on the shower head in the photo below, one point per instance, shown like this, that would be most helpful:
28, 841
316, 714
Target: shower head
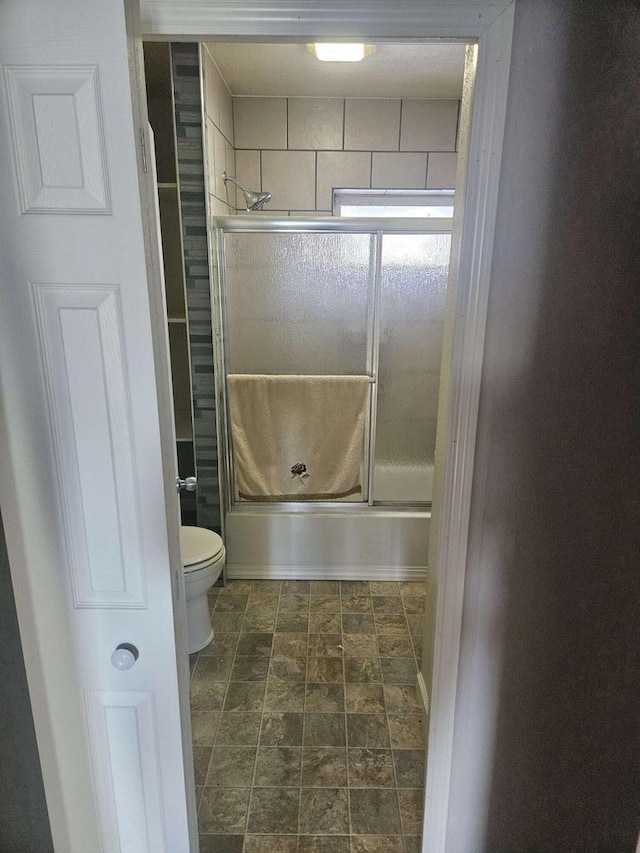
253, 199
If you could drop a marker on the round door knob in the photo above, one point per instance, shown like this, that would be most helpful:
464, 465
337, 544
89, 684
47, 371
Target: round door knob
124, 656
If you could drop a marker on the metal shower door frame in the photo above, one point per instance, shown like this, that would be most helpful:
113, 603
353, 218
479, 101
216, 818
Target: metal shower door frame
374, 227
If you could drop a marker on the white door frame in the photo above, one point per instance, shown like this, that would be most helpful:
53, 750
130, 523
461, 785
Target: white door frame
490, 25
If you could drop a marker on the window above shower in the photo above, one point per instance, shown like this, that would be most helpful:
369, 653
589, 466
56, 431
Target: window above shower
413, 204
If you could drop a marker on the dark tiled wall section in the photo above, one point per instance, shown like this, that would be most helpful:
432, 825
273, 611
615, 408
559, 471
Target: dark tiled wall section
188, 113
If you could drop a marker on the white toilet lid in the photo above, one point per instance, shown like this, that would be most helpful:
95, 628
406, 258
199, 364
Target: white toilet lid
199, 545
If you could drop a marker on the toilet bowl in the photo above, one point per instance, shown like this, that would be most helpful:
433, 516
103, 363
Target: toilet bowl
203, 558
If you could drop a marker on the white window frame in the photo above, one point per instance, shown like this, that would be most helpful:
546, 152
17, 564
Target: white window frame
391, 198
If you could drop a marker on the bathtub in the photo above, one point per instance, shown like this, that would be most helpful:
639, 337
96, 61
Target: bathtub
350, 542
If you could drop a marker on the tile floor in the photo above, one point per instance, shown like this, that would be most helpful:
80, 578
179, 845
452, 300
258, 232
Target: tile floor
307, 731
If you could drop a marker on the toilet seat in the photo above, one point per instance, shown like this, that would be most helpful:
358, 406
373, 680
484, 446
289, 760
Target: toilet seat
199, 548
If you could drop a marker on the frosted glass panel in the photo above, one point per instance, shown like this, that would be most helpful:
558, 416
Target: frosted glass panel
297, 303
412, 300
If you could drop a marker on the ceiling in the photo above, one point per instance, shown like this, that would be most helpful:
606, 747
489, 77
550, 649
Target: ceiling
392, 71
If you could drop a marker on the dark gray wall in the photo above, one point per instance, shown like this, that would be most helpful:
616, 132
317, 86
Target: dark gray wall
24, 822
189, 136
547, 750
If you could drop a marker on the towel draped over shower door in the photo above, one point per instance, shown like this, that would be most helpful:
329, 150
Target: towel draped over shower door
298, 437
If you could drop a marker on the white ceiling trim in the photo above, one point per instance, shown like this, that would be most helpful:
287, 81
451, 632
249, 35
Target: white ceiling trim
198, 20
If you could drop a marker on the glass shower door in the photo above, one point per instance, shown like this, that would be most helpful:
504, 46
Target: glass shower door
413, 281
299, 303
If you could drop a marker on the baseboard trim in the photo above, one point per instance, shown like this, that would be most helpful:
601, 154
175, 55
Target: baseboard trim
424, 694
321, 573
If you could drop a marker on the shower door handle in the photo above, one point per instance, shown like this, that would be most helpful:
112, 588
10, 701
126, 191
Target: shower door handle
187, 485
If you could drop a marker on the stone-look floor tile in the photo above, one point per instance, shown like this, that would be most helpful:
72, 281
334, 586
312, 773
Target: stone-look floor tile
223, 810
324, 767
410, 766
293, 645
368, 730
294, 603
272, 587
324, 603
221, 843
262, 608
213, 668
325, 623
198, 795
387, 604
356, 604
413, 603
401, 699
411, 805
384, 587
394, 646
324, 670
406, 731
222, 645
412, 844
258, 622
374, 811
416, 625
231, 603
296, 623
284, 695
324, 698
250, 668
231, 767
364, 698
325, 646
357, 623
260, 598
201, 758
238, 728
245, 696
325, 587
203, 727
391, 623
278, 766
324, 811
324, 730
376, 844
295, 587
207, 695
236, 587
360, 645
323, 844
229, 622
274, 810
399, 670
370, 768
364, 670
354, 588
255, 645
281, 729
271, 844
287, 668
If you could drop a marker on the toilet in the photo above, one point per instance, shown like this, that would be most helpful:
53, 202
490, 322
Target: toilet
203, 558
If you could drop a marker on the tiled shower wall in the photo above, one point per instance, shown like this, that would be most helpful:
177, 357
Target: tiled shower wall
189, 135
299, 149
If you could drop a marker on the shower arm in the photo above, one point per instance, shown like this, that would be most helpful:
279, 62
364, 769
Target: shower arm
243, 187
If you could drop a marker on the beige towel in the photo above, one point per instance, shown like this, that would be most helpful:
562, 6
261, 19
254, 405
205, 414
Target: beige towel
279, 422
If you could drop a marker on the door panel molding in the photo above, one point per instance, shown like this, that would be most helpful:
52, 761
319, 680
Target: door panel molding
124, 742
80, 331
58, 141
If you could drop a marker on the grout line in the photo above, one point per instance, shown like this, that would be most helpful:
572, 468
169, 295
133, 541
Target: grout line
344, 121
400, 126
304, 714
346, 735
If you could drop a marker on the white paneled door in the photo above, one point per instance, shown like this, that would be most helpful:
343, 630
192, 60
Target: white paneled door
86, 449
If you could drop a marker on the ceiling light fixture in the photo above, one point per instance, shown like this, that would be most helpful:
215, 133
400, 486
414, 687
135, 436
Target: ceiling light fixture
340, 52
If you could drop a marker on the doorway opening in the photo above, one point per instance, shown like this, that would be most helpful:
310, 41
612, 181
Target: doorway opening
307, 710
